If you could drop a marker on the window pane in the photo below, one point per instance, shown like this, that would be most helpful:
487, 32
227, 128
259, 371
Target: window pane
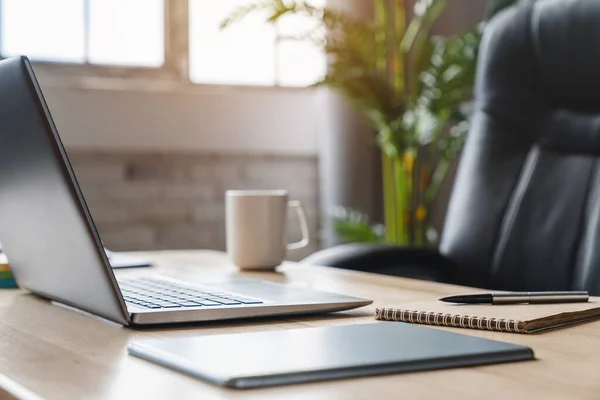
43, 30
127, 32
300, 63
242, 54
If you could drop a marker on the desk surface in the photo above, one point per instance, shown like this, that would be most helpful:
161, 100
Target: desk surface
57, 353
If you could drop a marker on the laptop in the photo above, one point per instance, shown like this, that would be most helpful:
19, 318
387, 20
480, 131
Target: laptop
56, 252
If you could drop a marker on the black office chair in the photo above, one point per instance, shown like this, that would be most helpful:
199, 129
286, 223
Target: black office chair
525, 209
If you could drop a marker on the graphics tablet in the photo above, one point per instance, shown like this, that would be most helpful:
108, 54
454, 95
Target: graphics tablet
256, 359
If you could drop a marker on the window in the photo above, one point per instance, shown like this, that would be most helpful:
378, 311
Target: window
177, 40
126, 32
113, 32
248, 52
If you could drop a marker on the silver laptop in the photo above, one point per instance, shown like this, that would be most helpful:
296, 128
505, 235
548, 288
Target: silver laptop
55, 251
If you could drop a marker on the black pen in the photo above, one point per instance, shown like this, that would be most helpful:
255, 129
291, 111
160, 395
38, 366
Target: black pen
519, 297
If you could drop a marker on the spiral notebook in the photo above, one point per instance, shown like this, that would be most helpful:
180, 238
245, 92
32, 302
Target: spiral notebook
519, 318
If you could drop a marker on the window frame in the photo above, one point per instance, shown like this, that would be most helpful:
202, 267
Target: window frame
174, 73
174, 69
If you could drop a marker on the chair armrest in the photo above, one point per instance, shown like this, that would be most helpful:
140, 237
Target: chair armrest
411, 262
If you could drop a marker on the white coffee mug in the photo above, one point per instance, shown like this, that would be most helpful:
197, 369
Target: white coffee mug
256, 226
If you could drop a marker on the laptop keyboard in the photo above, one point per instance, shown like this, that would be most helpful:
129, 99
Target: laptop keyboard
157, 293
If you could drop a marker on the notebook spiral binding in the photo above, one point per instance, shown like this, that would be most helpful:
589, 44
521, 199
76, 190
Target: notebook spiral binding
441, 319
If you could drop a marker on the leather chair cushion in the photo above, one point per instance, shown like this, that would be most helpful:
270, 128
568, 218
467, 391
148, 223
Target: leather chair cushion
524, 214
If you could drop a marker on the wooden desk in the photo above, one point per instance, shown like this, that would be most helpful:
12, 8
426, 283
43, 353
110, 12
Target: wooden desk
57, 353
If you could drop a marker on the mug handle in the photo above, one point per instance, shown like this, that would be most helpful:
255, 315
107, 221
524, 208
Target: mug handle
296, 205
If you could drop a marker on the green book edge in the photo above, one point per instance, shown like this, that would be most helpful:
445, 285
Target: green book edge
6, 275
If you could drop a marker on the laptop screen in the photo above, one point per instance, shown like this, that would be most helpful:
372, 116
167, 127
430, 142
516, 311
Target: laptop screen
45, 227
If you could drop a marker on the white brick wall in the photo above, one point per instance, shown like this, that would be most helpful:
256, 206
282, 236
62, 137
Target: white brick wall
176, 201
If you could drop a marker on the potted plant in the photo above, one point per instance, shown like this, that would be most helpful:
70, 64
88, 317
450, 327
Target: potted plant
411, 86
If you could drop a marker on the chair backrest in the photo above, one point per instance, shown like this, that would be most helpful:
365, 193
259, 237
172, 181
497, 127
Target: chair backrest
525, 210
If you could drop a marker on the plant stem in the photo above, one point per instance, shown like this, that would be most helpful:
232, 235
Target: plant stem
436, 180
401, 203
414, 189
389, 202
380, 36
396, 55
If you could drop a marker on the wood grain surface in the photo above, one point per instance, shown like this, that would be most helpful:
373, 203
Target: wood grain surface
57, 353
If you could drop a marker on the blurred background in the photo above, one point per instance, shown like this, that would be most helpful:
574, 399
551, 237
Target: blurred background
161, 111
